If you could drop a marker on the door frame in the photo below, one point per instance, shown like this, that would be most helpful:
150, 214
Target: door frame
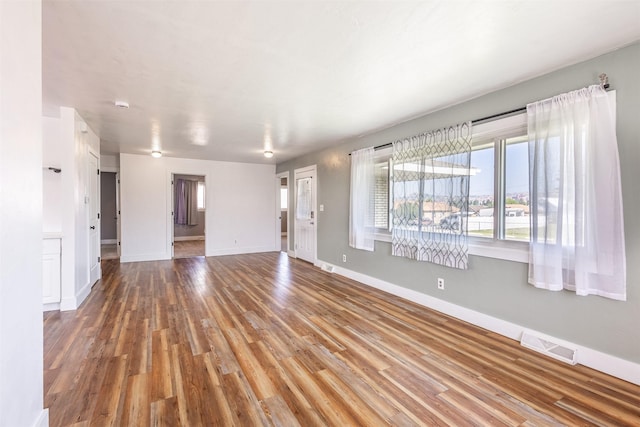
94, 198
115, 170
314, 188
279, 212
118, 218
171, 204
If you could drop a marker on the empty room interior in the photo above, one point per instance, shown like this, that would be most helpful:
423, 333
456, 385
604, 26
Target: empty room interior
319, 213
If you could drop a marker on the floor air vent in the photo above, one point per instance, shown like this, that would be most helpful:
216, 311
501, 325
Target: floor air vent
550, 348
328, 268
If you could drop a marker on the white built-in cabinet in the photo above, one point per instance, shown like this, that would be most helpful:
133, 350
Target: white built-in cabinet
51, 251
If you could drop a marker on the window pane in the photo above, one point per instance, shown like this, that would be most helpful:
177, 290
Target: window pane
303, 201
406, 188
481, 191
517, 225
381, 198
200, 195
284, 201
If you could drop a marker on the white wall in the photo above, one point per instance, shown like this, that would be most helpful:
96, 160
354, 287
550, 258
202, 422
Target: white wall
21, 386
240, 206
52, 154
65, 209
109, 162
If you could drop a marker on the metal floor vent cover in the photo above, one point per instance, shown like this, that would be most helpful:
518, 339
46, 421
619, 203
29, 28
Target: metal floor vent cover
552, 349
328, 268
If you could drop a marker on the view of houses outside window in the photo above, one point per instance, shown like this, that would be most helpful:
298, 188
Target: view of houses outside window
485, 202
517, 225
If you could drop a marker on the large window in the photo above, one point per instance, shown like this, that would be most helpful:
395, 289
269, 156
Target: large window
498, 211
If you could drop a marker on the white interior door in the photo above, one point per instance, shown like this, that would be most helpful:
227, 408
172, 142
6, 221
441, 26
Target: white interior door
94, 218
172, 198
305, 214
118, 213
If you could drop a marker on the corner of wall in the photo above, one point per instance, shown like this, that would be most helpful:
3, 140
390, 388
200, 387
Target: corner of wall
43, 419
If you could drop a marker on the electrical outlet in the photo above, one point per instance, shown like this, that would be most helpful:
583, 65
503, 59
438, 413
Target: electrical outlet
440, 283
344, 258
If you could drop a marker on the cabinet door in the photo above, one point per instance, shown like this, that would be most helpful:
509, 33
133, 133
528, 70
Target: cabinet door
51, 271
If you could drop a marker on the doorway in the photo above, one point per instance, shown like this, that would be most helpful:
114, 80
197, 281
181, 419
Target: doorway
282, 231
109, 215
305, 218
188, 216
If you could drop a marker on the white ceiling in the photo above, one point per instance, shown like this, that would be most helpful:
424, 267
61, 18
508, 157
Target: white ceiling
227, 80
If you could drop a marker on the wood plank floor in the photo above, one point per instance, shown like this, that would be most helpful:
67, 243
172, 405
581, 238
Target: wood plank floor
263, 339
188, 248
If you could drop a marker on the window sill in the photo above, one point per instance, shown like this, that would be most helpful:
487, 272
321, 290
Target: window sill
489, 248
506, 250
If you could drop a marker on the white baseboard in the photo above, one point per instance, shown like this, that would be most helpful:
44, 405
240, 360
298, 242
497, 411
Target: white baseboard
51, 306
43, 419
161, 256
292, 254
240, 251
72, 303
187, 238
108, 241
67, 304
83, 293
611, 365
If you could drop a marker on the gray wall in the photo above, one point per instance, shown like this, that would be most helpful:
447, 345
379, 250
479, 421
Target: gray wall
108, 222
491, 286
190, 230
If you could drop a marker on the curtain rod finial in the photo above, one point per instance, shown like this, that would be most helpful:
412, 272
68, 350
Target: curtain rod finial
604, 80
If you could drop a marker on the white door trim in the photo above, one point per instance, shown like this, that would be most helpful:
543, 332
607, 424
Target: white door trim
95, 269
170, 207
118, 217
279, 211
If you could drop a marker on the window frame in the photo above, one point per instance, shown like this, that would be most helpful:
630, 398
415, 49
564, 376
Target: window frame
384, 155
204, 196
492, 247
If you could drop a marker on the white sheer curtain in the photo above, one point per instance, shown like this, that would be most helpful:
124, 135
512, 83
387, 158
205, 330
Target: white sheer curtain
361, 214
577, 240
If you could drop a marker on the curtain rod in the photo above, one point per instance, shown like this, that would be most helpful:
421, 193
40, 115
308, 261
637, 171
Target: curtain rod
493, 116
604, 82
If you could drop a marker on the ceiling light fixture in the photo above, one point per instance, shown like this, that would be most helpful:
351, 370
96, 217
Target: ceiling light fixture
268, 154
122, 104
156, 154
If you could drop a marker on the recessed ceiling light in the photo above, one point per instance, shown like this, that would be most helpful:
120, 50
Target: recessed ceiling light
268, 154
122, 104
156, 154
